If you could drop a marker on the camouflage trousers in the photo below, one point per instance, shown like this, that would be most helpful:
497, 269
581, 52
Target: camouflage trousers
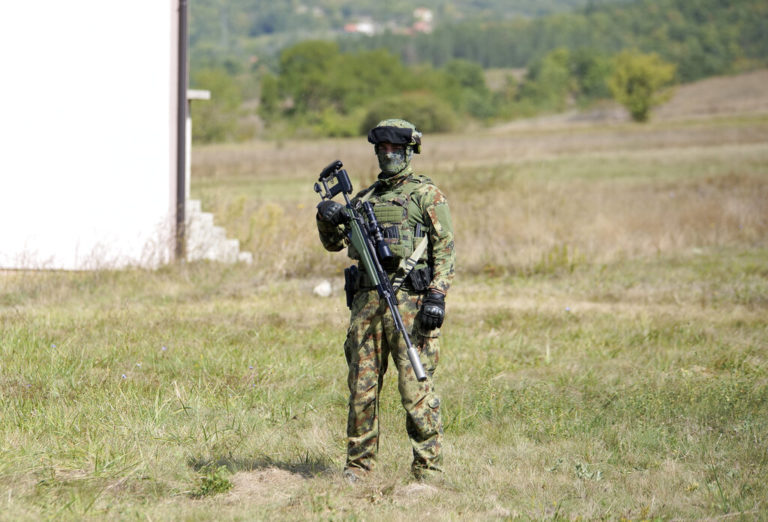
371, 339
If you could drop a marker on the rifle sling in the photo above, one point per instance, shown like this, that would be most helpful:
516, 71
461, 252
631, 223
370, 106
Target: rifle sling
407, 264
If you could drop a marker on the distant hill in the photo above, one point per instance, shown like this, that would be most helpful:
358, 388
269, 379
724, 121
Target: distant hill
702, 37
240, 32
736, 95
718, 96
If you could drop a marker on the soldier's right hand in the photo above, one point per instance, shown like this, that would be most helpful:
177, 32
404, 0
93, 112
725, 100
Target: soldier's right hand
332, 212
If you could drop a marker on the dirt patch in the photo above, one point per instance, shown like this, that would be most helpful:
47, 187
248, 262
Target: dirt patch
271, 485
414, 493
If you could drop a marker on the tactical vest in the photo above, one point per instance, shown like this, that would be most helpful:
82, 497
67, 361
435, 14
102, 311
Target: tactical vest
391, 211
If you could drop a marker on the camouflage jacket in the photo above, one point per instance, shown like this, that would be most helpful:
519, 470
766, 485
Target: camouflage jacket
425, 209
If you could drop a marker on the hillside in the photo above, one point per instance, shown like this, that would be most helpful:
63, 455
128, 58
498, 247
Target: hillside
736, 95
720, 96
704, 38
239, 31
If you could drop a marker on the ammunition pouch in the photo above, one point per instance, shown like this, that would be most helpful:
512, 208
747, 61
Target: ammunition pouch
351, 283
419, 279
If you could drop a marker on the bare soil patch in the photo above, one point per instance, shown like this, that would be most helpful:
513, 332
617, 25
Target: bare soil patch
414, 493
267, 486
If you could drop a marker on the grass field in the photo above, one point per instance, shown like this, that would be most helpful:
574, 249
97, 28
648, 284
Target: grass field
605, 353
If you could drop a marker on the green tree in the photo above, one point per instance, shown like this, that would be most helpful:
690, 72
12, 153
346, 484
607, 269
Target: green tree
466, 88
428, 113
362, 77
548, 82
315, 77
638, 80
216, 120
269, 97
591, 70
306, 74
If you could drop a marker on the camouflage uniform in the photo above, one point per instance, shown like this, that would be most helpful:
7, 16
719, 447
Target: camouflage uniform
372, 336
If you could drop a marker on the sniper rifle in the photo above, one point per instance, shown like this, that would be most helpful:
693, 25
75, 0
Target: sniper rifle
365, 235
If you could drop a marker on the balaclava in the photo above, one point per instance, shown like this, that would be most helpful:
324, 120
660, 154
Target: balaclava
397, 132
394, 162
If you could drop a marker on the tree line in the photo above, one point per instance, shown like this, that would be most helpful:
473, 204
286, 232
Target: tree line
233, 31
703, 37
320, 91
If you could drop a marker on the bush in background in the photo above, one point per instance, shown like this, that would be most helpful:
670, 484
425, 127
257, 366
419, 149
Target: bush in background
426, 112
638, 80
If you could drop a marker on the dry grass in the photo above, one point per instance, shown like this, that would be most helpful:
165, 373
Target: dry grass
519, 195
742, 94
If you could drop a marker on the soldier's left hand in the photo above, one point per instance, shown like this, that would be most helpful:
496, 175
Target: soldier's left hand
433, 310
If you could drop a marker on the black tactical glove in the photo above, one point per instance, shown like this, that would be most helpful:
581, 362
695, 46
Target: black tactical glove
433, 310
332, 212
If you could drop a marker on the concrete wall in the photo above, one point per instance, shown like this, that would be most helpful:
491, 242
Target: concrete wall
87, 133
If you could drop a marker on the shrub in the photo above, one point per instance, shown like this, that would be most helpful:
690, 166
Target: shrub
213, 481
421, 109
637, 82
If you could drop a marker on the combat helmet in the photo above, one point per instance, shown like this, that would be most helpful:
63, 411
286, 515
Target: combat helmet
397, 132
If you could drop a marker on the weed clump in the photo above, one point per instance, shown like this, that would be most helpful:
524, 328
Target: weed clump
213, 480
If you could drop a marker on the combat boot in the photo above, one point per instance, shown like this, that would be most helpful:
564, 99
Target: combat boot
428, 475
354, 475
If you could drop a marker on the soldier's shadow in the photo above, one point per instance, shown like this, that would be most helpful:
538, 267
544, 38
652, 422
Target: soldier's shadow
307, 467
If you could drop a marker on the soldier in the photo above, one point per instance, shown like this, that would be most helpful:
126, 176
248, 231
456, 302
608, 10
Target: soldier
416, 224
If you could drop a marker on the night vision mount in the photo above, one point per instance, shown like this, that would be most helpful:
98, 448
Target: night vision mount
334, 171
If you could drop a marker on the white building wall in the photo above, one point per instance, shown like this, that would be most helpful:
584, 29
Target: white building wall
87, 133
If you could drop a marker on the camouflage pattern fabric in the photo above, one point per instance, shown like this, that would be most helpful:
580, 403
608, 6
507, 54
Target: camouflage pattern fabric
427, 207
372, 336
371, 339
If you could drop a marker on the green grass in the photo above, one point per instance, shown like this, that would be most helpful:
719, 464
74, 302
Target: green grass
605, 353
143, 394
